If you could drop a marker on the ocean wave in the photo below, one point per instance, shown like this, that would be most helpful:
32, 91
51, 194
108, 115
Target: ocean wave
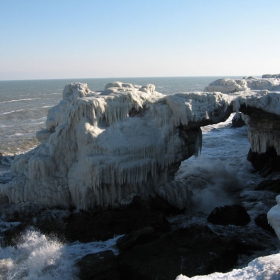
19, 100
15, 111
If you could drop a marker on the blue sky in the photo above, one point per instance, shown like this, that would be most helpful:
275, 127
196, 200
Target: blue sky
46, 39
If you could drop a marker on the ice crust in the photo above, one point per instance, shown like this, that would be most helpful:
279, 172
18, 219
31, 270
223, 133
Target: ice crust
273, 217
266, 136
227, 85
100, 148
258, 269
262, 93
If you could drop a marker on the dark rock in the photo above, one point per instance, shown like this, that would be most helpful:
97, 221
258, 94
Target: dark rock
261, 221
246, 245
143, 235
269, 185
103, 224
13, 235
190, 251
237, 121
229, 215
159, 204
265, 163
99, 266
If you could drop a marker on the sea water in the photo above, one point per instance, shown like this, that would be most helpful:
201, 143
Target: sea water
221, 168
24, 104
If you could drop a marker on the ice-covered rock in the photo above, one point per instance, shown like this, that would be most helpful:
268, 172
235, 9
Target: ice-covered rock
100, 148
227, 85
273, 217
271, 76
261, 268
262, 116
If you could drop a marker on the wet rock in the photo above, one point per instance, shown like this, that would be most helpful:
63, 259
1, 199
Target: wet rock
137, 237
13, 235
247, 245
190, 251
99, 266
159, 204
261, 221
237, 121
229, 215
87, 226
265, 163
269, 185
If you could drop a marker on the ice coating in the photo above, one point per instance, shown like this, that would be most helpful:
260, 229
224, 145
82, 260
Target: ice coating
258, 269
263, 133
100, 148
227, 85
273, 217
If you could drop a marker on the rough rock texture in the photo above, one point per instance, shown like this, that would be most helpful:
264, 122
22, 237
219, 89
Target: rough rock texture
261, 221
229, 215
186, 251
265, 163
269, 185
99, 266
101, 149
109, 222
237, 120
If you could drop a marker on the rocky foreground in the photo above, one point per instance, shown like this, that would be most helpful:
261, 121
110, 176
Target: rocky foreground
89, 141
152, 244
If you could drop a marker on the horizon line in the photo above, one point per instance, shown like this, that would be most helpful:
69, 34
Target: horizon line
135, 77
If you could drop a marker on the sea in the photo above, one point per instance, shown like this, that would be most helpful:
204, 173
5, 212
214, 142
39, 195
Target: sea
222, 168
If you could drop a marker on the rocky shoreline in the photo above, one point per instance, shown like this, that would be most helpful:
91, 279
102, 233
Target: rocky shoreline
160, 237
154, 242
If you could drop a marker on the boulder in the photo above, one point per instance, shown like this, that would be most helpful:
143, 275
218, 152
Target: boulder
237, 121
265, 163
104, 224
261, 221
99, 266
229, 215
269, 185
190, 251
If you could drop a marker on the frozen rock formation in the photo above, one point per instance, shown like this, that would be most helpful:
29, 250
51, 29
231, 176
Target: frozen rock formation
271, 76
227, 85
262, 116
273, 217
102, 148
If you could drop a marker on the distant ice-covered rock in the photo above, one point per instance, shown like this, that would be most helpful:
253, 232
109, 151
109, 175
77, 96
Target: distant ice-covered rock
271, 76
227, 85
101, 148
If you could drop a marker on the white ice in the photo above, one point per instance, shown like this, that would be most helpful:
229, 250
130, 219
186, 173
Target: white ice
100, 148
262, 268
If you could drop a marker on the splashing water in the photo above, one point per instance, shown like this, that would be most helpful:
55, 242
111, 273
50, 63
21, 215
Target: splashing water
221, 170
38, 257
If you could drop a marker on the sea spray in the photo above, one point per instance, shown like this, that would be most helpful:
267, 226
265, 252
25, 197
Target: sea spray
39, 257
221, 170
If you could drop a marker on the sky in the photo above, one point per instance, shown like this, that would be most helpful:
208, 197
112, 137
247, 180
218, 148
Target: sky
47, 39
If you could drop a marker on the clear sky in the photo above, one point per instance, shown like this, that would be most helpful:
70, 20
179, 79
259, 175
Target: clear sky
46, 39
